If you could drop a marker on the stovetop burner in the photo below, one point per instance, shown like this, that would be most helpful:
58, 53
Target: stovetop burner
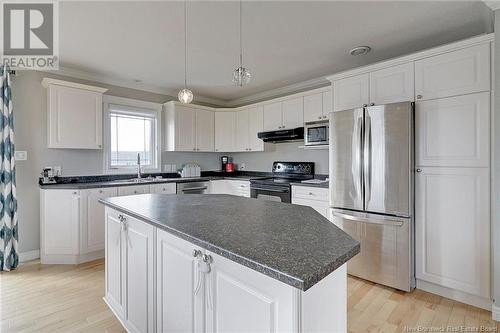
285, 173
279, 180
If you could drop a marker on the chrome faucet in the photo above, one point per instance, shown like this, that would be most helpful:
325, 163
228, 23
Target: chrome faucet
138, 166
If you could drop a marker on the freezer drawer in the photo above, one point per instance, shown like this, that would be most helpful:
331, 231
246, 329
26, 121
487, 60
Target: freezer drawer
386, 255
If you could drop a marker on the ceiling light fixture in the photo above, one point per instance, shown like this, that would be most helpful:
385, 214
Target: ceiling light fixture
185, 95
241, 75
360, 50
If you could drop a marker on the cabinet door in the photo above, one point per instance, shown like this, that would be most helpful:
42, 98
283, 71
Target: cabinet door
114, 263
455, 73
132, 190
452, 228
244, 298
93, 220
255, 125
327, 103
74, 118
185, 128
218, 186
61, 221
313, 107
205, 130
272, 117
167, 188
453, 131
225, 131
179, 308
139, 238
350, 93
392, 85
242, 126
293, 113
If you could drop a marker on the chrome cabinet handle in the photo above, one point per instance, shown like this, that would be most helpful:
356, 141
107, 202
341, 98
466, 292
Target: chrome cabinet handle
319, 117
372, 104
121, 218
419, 96
419, 170
310, 193
365, 105
196, 253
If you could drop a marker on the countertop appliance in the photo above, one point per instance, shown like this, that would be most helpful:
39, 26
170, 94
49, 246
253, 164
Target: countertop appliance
193, 188
230, 167
278, 187
372, 189
224, 160
282, 135
316, 133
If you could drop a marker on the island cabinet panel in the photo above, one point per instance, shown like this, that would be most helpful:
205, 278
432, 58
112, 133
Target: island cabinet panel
243, 298
132, 190
180, 305
130, 271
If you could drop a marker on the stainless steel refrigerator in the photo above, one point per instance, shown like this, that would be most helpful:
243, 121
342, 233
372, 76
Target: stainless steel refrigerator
372, 189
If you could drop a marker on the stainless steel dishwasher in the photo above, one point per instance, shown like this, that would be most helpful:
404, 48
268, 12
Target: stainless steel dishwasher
193, 188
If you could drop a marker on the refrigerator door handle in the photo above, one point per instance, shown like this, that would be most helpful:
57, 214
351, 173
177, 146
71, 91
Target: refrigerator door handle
393, 222
368, 158
359, 153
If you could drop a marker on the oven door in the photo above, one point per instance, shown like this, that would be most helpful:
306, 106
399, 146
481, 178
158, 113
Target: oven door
270, 193
316, 134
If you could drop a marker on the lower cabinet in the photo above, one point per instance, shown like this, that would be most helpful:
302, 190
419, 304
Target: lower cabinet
314, 197
453, 230
233, 187
130, 271
132, 190
199, 291
167, 188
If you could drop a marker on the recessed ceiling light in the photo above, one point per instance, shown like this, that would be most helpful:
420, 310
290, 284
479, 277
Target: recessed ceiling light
360, 50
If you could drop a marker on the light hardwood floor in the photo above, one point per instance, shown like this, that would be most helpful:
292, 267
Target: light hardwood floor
64, 298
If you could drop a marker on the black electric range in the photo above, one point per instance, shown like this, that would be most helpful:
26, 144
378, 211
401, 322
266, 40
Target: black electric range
278, 187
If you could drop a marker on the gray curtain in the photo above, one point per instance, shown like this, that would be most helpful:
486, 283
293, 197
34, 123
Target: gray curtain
9, 257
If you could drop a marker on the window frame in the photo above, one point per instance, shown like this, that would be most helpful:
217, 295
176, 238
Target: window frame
136, 108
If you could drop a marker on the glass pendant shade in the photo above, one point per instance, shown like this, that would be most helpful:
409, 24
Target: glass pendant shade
185, 96
241, 76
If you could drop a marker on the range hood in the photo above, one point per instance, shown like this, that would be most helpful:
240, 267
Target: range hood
285, 135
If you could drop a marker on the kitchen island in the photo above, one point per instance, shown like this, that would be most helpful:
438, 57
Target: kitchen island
220, 263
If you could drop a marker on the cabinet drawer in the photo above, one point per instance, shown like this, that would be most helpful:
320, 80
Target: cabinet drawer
321, 207
310, 193
168, 188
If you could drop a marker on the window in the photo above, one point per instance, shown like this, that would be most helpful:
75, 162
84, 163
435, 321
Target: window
131, 131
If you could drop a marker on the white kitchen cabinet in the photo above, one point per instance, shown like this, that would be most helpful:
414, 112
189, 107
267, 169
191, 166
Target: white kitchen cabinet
188, 128
180, 307
314, 197
130, 245
453, 229
351, 92
225, 131
317, 106
218, 186
132, 190
242, 135
273, 117
391, 85
59, 227
205, 123
453, 131
165, 188
255, 125
454, 73
93, 219
245, 299
238, 187
249, 122
74, 115
293, 112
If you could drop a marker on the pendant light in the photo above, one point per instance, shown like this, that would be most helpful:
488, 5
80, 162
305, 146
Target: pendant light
185, 95
241, 75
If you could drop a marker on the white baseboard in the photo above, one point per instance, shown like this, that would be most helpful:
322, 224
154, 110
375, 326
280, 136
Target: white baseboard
70, 259
29, 255
495, 312
459, 296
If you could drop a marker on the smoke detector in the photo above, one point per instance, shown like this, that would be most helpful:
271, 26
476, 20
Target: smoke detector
360, 50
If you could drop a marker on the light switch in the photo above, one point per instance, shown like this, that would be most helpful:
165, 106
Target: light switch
21, 155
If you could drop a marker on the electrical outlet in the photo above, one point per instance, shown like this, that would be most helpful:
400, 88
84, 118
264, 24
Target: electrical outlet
243, 166
21, 155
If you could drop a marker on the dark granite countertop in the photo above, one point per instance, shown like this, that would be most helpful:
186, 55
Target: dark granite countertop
290, 243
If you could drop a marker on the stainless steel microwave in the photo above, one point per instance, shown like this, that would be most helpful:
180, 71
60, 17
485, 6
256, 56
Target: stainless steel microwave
316, 133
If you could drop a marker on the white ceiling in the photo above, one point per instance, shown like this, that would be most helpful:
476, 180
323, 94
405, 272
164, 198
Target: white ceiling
285, 42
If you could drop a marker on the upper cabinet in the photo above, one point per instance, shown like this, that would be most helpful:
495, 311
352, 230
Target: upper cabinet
74, 115
288, 113
249, 122
317, 106
392, 85
225, 131
273, 119
350, 93
188, 128
455, 73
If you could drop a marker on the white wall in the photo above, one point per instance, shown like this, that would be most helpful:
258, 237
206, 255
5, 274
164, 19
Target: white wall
263, 161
